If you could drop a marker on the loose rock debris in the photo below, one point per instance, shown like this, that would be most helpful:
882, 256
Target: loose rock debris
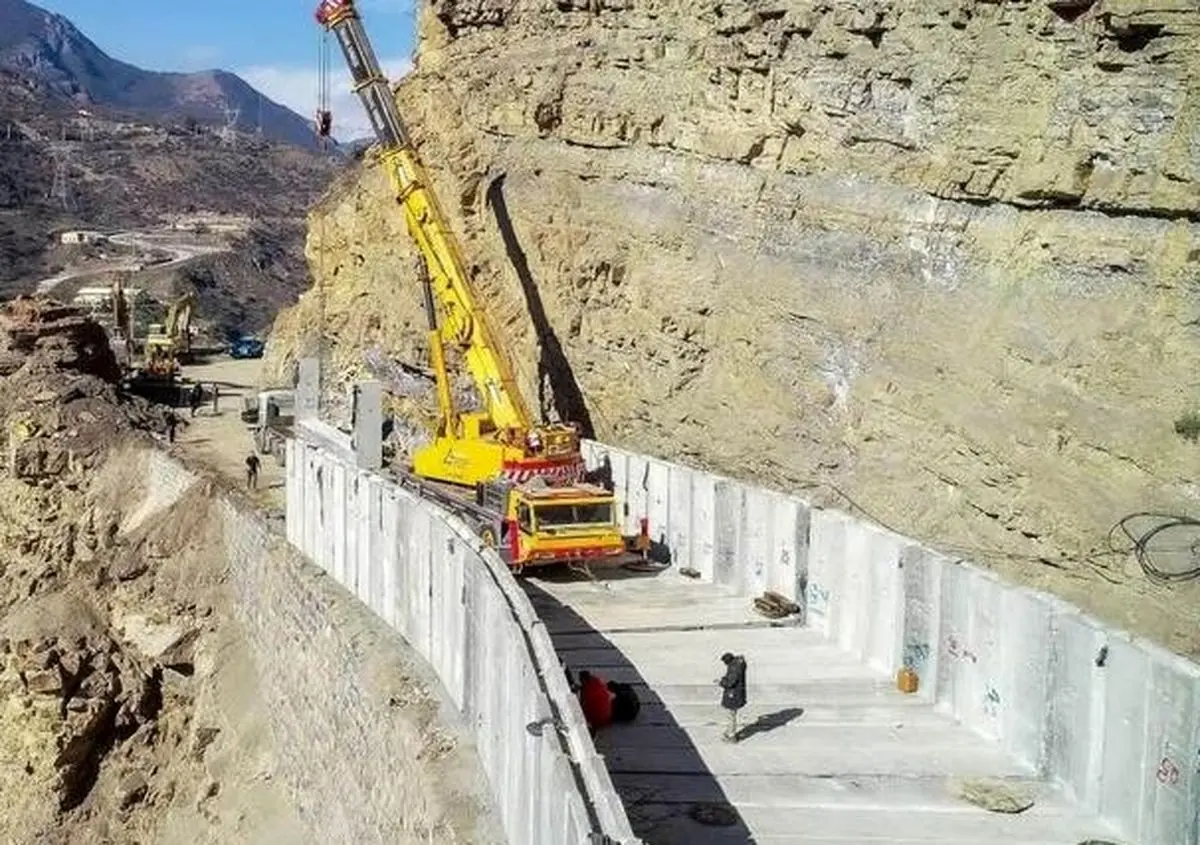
99, 628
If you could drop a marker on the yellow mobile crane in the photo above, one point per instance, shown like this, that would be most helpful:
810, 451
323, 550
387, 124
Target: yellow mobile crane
526, 476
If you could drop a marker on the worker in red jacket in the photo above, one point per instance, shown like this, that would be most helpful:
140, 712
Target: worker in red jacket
596, 700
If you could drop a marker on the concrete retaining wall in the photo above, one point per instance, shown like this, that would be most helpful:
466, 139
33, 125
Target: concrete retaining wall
364, 739
424, 574
1114, 719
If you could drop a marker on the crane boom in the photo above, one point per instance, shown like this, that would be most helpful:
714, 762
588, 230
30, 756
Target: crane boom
463, 320
501, 439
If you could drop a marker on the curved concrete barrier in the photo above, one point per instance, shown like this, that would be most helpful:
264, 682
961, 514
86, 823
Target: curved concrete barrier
455, 603
1113, 719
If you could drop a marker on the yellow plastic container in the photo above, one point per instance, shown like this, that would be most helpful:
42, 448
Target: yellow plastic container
907, 681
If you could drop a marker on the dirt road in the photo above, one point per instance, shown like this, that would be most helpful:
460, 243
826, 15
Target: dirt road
219, 438
181, 252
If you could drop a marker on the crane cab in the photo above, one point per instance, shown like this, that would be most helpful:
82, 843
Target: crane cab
543, 525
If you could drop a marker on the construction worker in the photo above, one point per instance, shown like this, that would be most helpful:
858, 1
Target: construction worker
596, 700
216, 397
252, 472
194, 398
172, 421
625, 704
733, 695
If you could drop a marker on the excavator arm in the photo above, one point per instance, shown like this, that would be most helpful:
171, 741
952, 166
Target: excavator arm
463, 322
178, 324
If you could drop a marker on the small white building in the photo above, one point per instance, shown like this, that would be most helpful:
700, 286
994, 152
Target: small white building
100, 298
82, 237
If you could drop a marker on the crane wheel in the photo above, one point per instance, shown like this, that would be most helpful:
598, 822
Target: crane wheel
488, 536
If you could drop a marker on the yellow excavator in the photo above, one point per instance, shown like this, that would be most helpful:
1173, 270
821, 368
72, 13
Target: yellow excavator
529, 500
170, 343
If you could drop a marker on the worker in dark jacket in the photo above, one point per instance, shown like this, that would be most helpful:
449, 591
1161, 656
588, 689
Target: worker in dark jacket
733, 695
625, 704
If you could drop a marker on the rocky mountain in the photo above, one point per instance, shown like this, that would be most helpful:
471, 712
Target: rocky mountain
47, 46
934, 261
113, 171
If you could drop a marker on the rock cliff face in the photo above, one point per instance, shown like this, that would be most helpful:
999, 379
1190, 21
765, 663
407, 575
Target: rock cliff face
938, 257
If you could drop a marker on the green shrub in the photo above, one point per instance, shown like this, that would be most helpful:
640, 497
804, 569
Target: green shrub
1188, 426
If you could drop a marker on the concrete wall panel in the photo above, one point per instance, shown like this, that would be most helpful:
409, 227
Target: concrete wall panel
441, 560
1075, 704
803, 550
333, 534
456, 604
754, 540
372, 538
953, 693
357, 543
922, 615
1022, 682
727, 513
679, 518
885, 621
453, 608
388, 506
637, 490
475, 677
1122, 774
620, 480
702, 541
852, 616
417, 588
825, 556
971, 653
347, 541
312, 504
658, 500
1172, 756
786, 544
981, 660
293, 505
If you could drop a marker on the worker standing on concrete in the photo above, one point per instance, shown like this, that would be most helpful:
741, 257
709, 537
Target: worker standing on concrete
252, 472
216, 398
195, 396
733, 695
172, 421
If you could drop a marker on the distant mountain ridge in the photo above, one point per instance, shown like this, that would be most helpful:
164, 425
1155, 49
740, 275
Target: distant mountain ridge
49, 47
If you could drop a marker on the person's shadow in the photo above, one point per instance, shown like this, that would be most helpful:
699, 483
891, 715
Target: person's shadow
769, 722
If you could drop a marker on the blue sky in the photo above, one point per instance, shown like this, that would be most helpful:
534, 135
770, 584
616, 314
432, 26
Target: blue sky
272, 44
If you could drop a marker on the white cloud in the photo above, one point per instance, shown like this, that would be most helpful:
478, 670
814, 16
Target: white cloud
298, 89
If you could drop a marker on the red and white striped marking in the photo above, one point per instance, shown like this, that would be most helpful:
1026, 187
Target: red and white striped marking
553, 473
